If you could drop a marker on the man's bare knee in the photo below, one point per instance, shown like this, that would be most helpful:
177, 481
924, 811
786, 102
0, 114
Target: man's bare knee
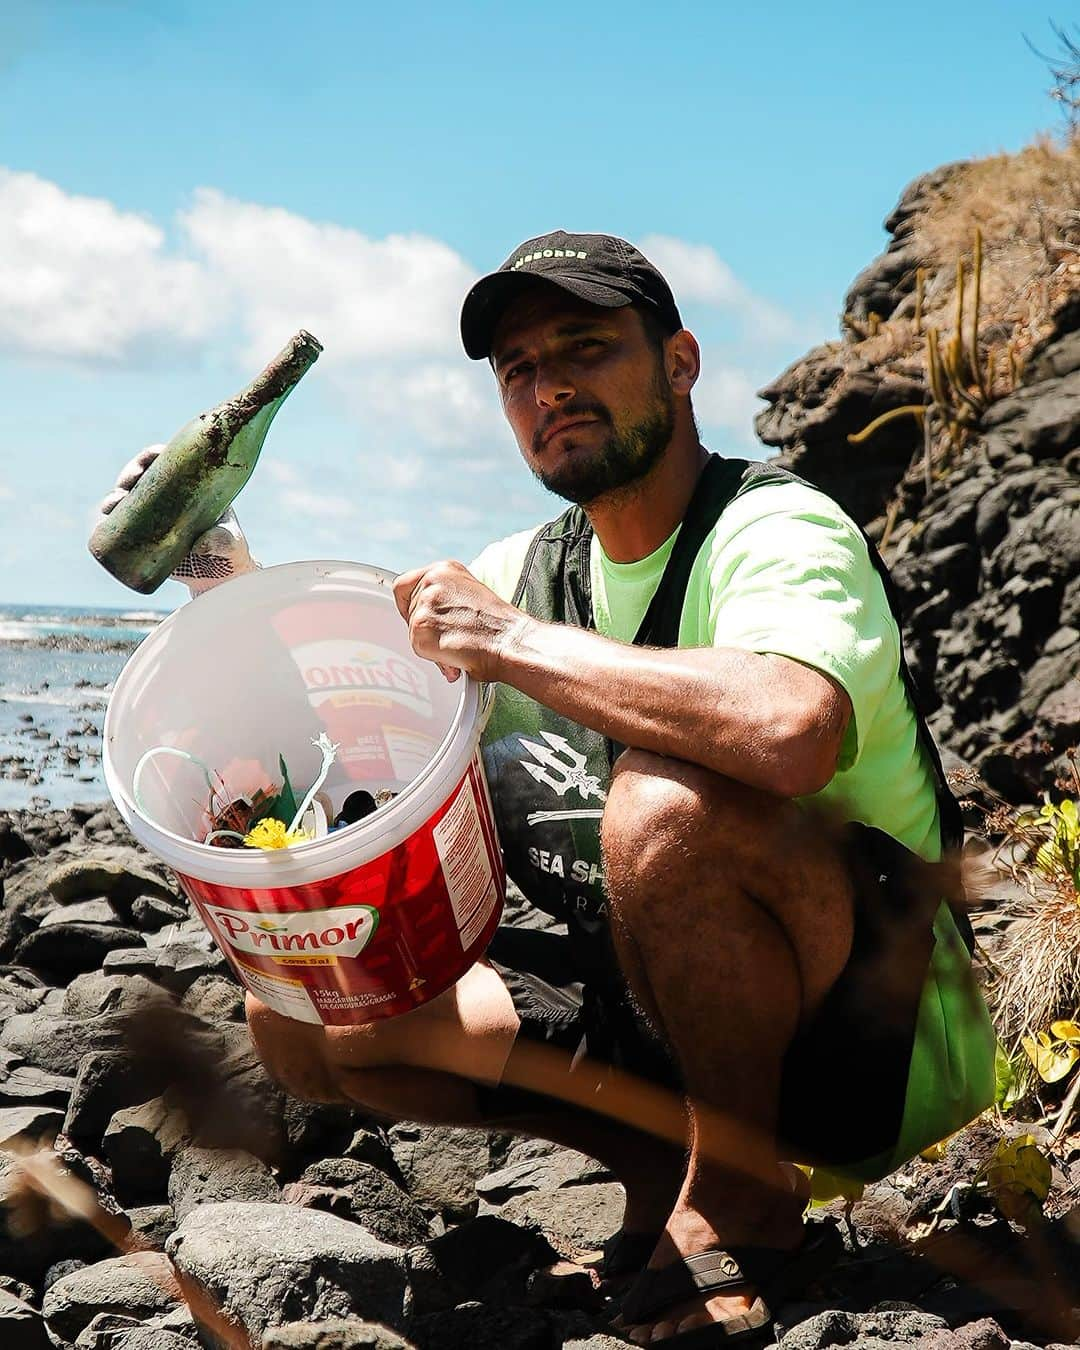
661, 811
467, 1032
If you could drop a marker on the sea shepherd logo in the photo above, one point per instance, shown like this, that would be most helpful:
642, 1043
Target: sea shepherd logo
343, 931
559, 766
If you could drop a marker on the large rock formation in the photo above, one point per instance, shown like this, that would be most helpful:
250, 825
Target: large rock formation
985, 549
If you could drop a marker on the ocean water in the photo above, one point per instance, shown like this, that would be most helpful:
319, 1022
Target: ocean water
58, 664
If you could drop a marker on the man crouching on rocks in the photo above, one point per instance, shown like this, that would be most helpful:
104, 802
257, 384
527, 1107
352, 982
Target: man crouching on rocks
695, 665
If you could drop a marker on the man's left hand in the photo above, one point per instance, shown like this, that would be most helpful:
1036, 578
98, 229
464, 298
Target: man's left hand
455, 620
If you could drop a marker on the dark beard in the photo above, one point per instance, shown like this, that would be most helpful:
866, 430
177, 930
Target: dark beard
624, 458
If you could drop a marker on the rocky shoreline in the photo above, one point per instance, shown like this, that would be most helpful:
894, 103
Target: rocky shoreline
76, 755
122, 1042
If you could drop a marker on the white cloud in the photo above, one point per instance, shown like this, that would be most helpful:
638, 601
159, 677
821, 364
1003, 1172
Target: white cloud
319, 505
7, 494
444, 403
388, 531
726, 398
280, 472
80, 279
460, 517
401, 469
697, 274
364, 298
386, 311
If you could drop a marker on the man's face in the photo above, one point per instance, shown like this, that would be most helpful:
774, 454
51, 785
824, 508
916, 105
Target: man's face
585, 392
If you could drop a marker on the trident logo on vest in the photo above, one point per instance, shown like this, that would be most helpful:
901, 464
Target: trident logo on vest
559, 766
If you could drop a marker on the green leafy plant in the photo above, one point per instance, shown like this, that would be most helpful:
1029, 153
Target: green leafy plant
1054, 1052
1009, 1084
1061, 852
1017, 1176
1035, 993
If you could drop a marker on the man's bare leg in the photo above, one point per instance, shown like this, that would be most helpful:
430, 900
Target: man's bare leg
426, 1066
732, 915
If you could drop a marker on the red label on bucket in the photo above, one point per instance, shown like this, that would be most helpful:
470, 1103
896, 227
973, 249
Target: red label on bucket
377, 940
374, 701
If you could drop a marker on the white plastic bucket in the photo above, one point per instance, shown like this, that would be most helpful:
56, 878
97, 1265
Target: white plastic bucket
368, 921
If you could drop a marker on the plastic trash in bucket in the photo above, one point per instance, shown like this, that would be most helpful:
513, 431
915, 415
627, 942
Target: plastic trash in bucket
366, 922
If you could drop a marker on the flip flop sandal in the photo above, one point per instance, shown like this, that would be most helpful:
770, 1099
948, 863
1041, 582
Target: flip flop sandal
773, 1273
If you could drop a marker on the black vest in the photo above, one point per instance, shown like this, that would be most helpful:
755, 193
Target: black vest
549, 776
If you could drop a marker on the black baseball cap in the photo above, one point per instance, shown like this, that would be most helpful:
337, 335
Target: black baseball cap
597, 268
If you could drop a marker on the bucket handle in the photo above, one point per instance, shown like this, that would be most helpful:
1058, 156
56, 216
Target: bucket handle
487, 701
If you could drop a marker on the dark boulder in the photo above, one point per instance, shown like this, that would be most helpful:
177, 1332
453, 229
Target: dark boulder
357, 1191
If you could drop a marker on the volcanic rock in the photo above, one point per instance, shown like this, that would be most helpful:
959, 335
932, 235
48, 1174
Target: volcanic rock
985, 1334
203, 1176
21, 1326
35, 1122
120, 873
536, 1165
574, 1219
441, 1165
64, 948
357, 1191
94, 992
269, 1264
334, 1334
138, 1285
111, 1331
152, 1223
21, 990
487, 1259
985, 552
215, 999
322, 1129
13, 847
472, 1324
108, 1079
151, 912
139, 1143
60, 1044
22, 1083
175, 966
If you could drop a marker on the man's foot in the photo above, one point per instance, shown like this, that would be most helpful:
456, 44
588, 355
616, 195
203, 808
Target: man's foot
698, 1265
678, 1296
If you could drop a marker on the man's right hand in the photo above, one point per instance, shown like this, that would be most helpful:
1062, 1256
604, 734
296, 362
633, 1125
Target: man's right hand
222, 552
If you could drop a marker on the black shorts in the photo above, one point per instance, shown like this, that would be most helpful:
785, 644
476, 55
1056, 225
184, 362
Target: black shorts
845, 1074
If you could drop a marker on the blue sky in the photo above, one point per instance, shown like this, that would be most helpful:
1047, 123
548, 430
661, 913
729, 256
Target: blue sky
183, 185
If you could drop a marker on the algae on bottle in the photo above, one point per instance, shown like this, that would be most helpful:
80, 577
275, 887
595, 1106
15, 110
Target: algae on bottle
196, 477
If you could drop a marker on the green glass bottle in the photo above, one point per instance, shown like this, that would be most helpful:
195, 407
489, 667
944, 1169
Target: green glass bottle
196, 477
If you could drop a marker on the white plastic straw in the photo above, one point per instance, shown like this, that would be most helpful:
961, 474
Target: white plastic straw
329, 750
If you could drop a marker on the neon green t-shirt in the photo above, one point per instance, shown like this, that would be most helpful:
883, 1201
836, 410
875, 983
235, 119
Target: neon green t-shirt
785, 571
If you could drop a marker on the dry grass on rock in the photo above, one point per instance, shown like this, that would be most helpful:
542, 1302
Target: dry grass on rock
1037, 967
1027, 207
1040, 967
